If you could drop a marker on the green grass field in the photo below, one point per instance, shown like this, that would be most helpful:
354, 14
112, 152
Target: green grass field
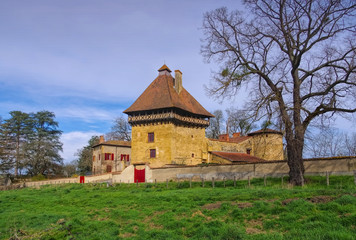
75, 211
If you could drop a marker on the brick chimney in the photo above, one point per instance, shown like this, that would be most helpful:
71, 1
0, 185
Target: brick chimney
224, 137
178, 81
101, 140
236, 135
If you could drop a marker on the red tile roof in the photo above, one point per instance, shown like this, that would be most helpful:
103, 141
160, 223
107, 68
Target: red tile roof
238, 157
262, 131
116, 143
164, 67
160, 94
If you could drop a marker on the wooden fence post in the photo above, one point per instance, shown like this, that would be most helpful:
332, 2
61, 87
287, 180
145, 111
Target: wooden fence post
249, 181
202, 180
224, 182
167, 183
327, 178
234, 181
190, 182
213, 182
265, 181
155, 182
282, 180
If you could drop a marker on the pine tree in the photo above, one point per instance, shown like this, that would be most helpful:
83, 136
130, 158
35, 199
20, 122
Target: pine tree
43, 145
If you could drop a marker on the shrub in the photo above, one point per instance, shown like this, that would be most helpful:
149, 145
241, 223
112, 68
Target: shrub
38, 177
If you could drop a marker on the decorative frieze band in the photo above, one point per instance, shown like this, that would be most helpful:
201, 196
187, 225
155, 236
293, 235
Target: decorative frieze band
169, 116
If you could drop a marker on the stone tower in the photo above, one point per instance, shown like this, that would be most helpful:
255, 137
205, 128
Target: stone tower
168, 124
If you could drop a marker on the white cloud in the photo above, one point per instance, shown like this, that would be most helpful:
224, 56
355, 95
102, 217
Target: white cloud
72, 141
86, 114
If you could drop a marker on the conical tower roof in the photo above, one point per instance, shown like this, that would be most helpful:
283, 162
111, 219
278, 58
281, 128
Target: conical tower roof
160, 94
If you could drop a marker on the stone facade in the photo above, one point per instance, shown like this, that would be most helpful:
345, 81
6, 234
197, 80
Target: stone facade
168, 128
111, 156
173, 144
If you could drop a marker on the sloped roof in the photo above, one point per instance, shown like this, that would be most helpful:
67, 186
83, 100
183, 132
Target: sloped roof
116, 143
238, 157
160, 94
262, 131
239, 139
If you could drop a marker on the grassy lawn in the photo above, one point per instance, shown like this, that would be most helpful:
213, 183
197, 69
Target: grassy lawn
75, 211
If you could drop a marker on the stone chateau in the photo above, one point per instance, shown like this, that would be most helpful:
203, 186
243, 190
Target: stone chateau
168, 129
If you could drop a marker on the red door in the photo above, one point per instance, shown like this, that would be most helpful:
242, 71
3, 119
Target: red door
139, 175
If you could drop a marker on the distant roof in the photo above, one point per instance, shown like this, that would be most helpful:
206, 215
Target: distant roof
160, 94
262, 131
115, 143
238, 157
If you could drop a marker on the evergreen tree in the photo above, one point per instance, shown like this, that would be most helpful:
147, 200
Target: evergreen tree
14, 133
43, 145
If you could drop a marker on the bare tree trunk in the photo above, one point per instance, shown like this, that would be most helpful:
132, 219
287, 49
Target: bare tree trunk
295, 162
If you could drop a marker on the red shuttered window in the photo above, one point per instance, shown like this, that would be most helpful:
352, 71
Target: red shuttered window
125, 157
109, 156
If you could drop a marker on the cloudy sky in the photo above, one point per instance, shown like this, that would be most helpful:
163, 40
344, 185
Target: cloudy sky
88, 60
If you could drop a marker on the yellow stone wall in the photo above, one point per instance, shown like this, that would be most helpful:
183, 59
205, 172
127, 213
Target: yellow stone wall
188, 145
230, 146
268, 146
174, 144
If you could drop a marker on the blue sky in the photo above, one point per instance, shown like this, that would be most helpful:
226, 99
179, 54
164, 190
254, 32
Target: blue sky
87, 60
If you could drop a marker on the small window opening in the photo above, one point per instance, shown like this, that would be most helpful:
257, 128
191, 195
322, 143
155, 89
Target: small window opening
151, 137
152, 153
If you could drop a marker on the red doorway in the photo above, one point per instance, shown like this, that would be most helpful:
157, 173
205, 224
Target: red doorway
139, 175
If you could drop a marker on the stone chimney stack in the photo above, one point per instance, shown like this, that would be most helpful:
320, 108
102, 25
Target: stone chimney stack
101, 140
178, 81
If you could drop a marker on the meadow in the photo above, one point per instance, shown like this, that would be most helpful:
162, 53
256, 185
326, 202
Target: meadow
149, 211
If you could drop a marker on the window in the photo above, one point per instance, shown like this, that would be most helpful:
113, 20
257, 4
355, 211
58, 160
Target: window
151, 137
125, 157
93, 158
109, 156
108, 168
248, 150
152, 153
192, 155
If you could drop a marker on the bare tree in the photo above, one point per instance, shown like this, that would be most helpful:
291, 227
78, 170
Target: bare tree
328, 142
120, 130
350, 144
216, 124
239, 121
300, 56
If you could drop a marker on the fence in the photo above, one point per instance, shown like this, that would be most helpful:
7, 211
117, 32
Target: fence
323, 166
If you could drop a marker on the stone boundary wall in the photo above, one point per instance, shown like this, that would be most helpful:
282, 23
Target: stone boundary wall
51, 181
336, 166
317, 166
